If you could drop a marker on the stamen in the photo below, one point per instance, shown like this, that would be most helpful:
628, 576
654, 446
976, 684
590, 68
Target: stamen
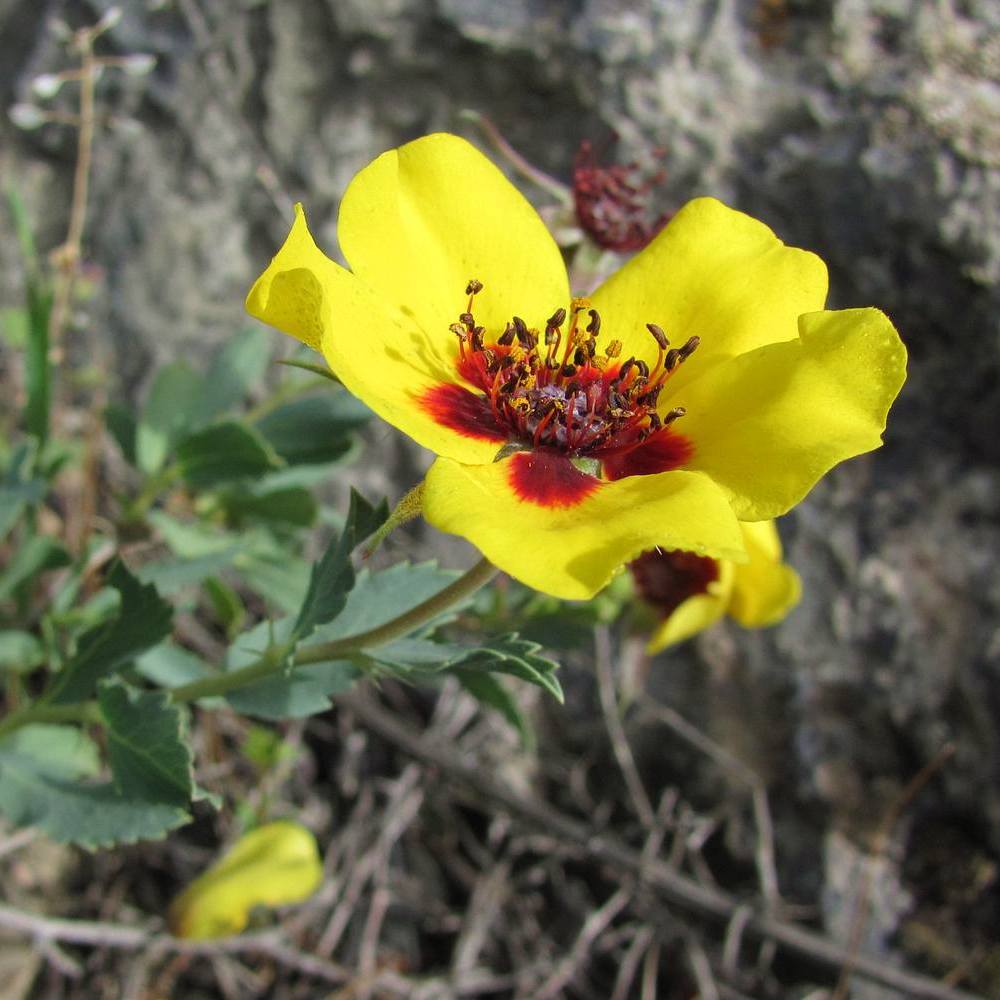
580, 404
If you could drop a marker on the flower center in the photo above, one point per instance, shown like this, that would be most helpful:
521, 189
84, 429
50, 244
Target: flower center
667, 579
552, 389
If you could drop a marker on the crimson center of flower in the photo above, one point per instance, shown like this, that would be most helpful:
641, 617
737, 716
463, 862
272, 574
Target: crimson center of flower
552, 389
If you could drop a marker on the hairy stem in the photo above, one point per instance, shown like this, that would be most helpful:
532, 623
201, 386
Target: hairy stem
273, 662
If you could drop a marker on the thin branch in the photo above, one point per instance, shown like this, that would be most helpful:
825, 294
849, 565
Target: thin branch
616, 731
673, 886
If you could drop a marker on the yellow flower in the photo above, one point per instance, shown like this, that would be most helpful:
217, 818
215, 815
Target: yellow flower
570, 435
690, 592
273, 865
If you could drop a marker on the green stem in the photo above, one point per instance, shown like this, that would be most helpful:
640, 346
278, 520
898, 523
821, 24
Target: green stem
83, 712
273, 662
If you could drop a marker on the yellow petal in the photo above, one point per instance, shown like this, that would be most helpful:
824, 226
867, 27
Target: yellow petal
695, 614
564, 533
273, 865
379, 354
764, 589
421, 220
767, 425
713, 273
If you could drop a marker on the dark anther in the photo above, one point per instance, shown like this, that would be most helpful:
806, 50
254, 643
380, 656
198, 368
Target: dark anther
458, 330
654, 422
651, 397
569, 370
677, 411
474, 287
520, 326
643, 368
591, 347
525, 337
509, 385
477, 338
594, 326
551, 335
625, 369
690, 347
507, 337
469, 320
557, 318
580, 356
672, 359
658, 335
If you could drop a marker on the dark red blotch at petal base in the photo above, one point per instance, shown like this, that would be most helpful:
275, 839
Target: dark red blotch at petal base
549, 479
667, 579
660, 452
466, 412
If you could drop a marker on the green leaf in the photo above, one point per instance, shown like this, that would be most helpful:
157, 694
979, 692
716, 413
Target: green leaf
287, 505
224, 452
300, 692
17, 488
506, 654
19, 651
315, 429
486, 689
308, 366
150, 758
227, 605
170, 666
236, 368
123, 427
386, 594
35, 555
171, 575
280, 579
38, 301
42, 772
166, 416
510, 654
333, 576
143, 620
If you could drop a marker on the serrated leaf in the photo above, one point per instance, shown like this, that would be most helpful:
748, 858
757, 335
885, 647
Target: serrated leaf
143, 620
166, 416
280, 579
150, 758
507, 654
300, 692
485, 688
235, 369
224, 452
333, 576
42, 774
510, 654
315, 429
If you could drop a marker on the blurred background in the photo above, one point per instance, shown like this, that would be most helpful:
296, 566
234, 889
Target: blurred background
865, 130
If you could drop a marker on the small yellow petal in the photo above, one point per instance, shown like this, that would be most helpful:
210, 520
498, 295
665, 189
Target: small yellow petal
688, 619
571, 540
764, 588
273, 865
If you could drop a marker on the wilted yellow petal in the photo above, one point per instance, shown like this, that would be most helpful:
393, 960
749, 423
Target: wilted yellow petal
273, 865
